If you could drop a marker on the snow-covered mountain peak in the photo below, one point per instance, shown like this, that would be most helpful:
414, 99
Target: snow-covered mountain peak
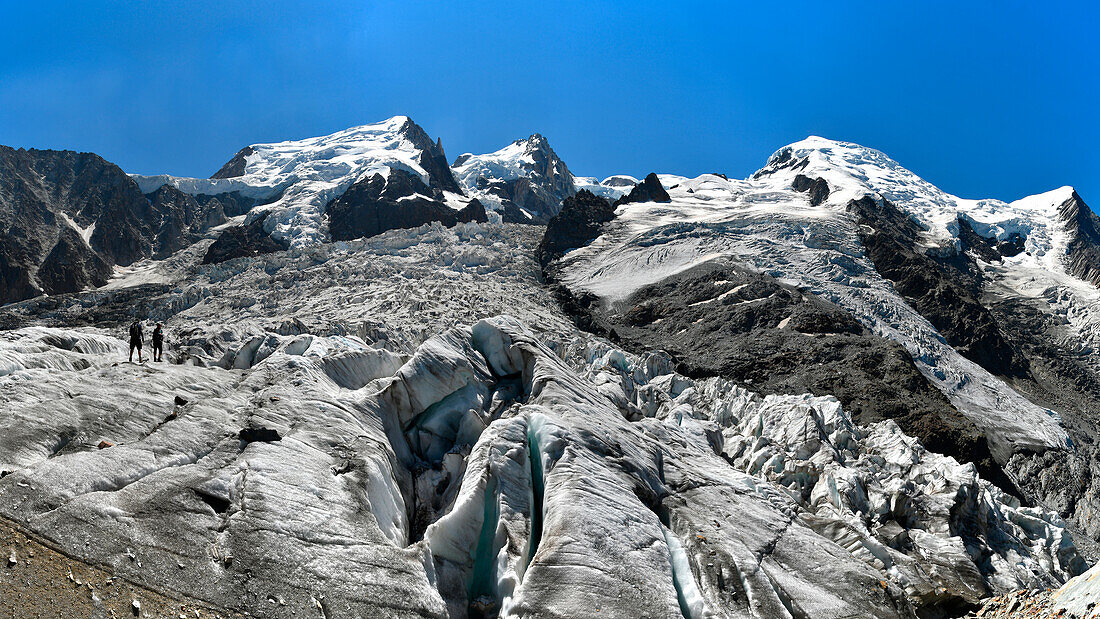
1045, 223
522, 158
853, 171
524, 181
355, 151
299, 177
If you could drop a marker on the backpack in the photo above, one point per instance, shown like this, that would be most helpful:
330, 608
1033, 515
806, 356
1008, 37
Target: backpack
135, 331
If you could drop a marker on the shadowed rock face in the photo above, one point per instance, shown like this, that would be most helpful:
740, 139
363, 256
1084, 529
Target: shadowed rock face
71, 265
946, 291
66, 217
576, 225
235, 166
374, 205
241, 241
783, 160
183, 218
1083, 252
432, 158
988, 249
649, 190
817, 188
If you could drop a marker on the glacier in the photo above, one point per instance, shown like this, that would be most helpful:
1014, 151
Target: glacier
419, 424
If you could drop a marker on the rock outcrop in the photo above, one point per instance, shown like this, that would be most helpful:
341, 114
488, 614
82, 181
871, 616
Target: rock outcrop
945, 289
235, 166
244, 240
400, 200
66, 218
649, 190
577, 224
1083, 250
817, 188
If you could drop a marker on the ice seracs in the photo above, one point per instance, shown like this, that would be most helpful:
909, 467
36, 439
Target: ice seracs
489, 466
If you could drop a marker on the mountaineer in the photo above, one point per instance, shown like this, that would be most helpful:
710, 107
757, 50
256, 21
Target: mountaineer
137, 337
158, 343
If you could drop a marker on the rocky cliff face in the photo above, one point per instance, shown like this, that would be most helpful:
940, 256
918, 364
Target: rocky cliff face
649, 190
577, 224
1083, 250
241, 241
432, 158
67, 217
376, 204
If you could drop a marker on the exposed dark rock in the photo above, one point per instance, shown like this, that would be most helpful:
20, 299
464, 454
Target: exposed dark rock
1061, 377
649, 190
577, 224
988, 249
47, 197
1083, 251
259, 435
816, 187
183, 219
179, 401
235, 166
1011, 246
241, 241
971, 241
18, 254
72, 265
35, 185
945, 290
432, 158
101, 308
232, 203
374, 205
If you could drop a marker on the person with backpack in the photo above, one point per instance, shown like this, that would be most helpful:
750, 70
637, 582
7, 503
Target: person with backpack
137, 338
158, 343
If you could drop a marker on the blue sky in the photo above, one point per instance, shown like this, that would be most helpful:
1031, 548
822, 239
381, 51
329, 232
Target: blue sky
984, 99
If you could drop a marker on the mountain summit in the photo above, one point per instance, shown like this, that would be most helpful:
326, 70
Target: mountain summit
525, 181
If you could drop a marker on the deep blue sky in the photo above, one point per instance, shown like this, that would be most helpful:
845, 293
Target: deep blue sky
997, 99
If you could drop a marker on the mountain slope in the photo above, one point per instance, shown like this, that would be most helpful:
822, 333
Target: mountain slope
66, 218
294, 185
346, 418
954, 281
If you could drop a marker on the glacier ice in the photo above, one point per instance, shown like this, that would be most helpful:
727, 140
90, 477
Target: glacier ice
532, 486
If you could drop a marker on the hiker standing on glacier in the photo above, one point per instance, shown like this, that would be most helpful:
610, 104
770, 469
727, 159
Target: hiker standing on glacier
158, 343
137, 338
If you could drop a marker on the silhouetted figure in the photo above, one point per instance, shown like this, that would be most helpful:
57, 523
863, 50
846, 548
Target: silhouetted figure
137, 338
158, 343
